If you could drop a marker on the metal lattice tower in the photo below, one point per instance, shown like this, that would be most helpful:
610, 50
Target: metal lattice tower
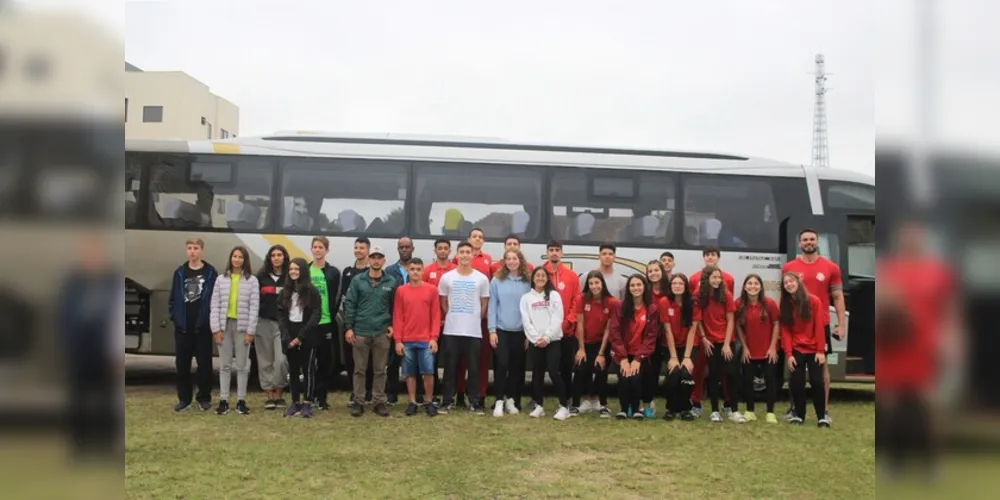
821, 150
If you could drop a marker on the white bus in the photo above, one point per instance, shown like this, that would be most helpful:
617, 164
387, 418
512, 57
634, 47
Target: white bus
286, 188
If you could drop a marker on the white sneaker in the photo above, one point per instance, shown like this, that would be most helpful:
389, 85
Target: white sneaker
511, 409
737, 417
562, 414
716, 418
586, 407
498, 409
538, 412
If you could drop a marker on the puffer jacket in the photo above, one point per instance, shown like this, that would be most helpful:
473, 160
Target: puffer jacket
247, 305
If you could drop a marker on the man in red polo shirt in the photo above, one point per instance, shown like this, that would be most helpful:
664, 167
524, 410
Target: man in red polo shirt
822, 278
482, 262
711, 256
567, 284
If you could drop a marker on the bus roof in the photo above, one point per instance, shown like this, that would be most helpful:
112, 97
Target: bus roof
476, 150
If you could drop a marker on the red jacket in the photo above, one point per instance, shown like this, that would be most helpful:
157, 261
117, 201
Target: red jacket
806, 336
567, 284
643, 348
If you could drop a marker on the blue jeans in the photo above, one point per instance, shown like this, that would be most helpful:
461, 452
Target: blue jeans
418, 359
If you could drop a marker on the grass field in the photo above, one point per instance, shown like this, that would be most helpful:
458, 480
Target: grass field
202, 455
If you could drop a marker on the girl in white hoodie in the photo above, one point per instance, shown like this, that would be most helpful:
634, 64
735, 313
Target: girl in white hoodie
542, 317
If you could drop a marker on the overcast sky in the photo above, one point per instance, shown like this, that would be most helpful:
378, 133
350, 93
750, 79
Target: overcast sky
728, 76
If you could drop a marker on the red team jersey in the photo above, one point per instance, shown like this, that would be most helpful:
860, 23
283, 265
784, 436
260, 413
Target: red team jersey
695, 282
433, 273
806, 336
596, 315
713, 317
758, 331
675, 319
818, 277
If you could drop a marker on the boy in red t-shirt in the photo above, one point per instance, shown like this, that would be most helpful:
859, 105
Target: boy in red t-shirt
416, 327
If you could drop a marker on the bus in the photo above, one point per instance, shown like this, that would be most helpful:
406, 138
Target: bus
288, 187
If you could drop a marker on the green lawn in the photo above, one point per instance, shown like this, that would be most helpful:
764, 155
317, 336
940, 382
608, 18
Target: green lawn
202, 455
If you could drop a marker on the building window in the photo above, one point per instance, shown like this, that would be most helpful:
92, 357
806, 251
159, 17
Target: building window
152, 114
223, 133
594, 207
211, 193
209, 130
499, 199
731, 213
344, 197
133, 177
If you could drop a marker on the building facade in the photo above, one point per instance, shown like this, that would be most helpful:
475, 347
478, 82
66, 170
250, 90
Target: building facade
174, 105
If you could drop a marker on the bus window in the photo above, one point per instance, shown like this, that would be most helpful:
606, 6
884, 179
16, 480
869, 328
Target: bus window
499, 199
350, 197
594, 207
211, 193
849, 196
132, 180
731, 213
861, 246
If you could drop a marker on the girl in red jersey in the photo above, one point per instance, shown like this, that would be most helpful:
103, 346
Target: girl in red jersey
656, 273
758, 330
683, 320
803, 338
595, 307
717, 311
633, 336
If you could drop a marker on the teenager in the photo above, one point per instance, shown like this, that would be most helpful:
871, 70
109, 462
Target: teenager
432, 276
542, 316
362, 246
607, 253
758, 330
594, 307
400, 272
506, 327
683, 323
710, 256
656, 274
566, 283
511, 243
368, 308
416, 326
326, 279
717, 324
271, 363
190, 295
633, 336
233, 316
464, 294
482, 263
803, 338
821, 278
668, 261
299, 313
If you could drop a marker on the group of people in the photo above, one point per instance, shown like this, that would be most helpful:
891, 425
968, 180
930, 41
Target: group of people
461, 312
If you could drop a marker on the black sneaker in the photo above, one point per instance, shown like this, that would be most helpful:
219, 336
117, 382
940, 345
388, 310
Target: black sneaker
280, 403
421, 400
270, 405
445, 408
477, 409
574, 412
223, 408
357, 410
392, 400
205, 405
241, 408
411, 409
669, 416
460, 402
824, 423
789, 415
605, 413
350, 401
182, 407
381, 410
687, 417
431, 409
323, 406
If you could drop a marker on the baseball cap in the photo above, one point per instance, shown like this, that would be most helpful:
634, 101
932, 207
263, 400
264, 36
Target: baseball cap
376, 250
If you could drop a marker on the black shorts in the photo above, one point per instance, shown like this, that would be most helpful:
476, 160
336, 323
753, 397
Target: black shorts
829, 340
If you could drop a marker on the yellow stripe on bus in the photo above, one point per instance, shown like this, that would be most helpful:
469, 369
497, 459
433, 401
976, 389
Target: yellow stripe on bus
225, 148
293, 250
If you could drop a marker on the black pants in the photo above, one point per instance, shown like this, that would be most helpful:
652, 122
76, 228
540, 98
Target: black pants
324, 361
548, 360
94, 416
630, 388
680, 383
651, 382
750, 371
303, 361
196, 345
567, 359
718, 368
467, 349
904, 432
803, 363
590, 380
510, 361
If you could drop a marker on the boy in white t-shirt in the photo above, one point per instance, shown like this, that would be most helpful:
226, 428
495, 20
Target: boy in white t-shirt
464, 294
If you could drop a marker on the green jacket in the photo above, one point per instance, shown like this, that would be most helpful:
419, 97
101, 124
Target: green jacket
368, 309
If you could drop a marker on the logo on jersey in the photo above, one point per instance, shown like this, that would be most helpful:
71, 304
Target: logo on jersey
670, 312
562, 287
820, 277
434, 276
586, 308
